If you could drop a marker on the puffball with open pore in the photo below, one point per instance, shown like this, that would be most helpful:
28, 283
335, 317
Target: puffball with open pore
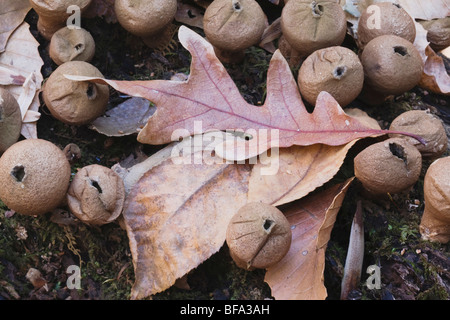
96, 195
148, 20
71, 45
258, 236
232, 26
336, 70
385, 18
392, 65
391, 166
309, 25
75, 102
34, 177
435, 223
423, 124
53, 14
438, 33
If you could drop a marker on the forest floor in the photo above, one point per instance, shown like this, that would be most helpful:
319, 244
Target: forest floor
411, 269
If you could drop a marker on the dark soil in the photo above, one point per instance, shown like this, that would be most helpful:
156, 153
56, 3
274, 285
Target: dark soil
411, 269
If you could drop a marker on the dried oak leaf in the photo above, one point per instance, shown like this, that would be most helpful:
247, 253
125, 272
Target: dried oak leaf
299, 275
210, 98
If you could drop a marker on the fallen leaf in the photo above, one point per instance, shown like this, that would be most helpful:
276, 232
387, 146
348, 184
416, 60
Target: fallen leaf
35, 277
271, 33
426, 10
12, 14
301, 170
8, 77
21, 58
299, 275
210, 100
174, 224
127, 118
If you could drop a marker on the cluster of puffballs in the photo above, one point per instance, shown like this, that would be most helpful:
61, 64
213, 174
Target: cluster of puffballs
387, 63
35, 175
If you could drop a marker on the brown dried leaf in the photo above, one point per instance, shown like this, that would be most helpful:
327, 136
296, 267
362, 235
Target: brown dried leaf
299, 275
127, 118
12, 14
417, 9
21, 58
301, 170
175, 224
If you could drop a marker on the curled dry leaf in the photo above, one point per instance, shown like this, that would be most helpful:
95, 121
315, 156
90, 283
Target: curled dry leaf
210, 100
127, 118
12, 14
299, 275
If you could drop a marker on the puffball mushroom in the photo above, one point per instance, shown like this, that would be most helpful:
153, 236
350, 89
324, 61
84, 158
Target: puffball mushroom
53, 14
435, 223
258, 236
311, 25
385, 18
391, 166
232, 26
438, 33
69, 44
392, 65
34, 177
75, 102
148, 20
424, 124
336, 70
96, 195
10, 120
